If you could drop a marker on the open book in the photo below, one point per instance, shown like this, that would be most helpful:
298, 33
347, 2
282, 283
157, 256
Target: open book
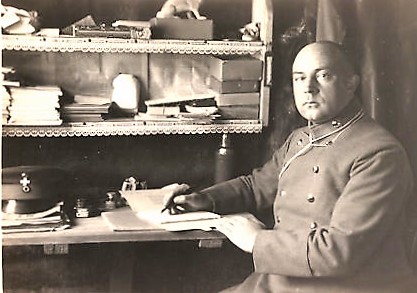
145, 214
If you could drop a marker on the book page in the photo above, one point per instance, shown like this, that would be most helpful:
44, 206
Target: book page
148, 203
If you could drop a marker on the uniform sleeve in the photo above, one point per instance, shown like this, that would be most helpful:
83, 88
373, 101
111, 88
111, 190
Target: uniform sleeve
369, 207
252, 192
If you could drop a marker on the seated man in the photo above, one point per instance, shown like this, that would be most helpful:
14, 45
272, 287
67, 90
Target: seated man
338, 188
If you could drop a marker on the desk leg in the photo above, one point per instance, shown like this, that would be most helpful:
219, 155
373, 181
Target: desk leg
122, 266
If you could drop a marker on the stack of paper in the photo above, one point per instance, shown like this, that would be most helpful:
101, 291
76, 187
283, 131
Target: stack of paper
50, 220
197, 106
91, 100
5, 104
86, 108
7, 78
6, 75
77, 112
163, 110
35, 105
206, 99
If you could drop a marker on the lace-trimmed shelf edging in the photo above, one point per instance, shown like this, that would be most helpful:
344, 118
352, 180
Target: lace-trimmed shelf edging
115, 45
132, 128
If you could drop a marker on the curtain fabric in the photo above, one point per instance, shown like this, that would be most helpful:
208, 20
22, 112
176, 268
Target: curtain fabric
330, 25
383, 36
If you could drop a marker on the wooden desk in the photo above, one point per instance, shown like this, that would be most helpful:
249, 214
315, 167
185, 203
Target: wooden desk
95, 230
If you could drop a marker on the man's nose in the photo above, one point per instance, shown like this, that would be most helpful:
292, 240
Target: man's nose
310, 85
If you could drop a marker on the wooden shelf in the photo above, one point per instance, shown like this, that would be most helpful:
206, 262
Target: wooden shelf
133, 128
116, 45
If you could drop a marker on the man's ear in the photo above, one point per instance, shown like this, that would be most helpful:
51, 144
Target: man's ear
353, 82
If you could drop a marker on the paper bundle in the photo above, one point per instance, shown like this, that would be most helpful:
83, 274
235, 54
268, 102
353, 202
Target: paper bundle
35, 105
53, 219
86, 109
5, 104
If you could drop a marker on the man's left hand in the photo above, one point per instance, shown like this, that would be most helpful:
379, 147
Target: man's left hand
241, 230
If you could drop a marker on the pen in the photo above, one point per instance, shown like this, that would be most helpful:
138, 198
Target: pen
172, 207
167, 207
170, 204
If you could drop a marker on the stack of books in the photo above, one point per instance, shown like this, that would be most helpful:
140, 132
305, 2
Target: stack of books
86, 109
38, 105
236, 80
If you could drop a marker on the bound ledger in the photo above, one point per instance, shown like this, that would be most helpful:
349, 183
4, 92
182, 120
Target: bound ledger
145, 214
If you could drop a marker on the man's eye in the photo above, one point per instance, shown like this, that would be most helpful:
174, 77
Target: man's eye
298, 78
323, 76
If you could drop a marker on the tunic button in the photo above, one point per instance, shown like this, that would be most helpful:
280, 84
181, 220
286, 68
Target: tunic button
300, 142
311, 198
313, 225
283, 193
278, 219
336, 123
316, 169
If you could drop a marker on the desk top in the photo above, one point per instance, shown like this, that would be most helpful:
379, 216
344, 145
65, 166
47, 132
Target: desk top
95, 230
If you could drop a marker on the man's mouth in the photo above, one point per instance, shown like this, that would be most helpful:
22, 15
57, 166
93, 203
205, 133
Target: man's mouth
311, 104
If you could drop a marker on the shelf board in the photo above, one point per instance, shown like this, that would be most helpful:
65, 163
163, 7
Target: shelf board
133, 128
118, 45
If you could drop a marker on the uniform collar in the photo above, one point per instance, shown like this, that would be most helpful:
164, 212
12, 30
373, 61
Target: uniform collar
325, 134
347, 114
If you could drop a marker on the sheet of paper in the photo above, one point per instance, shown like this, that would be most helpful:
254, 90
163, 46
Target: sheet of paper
126, 220
205, 225
148, 203
164, 218
145, 199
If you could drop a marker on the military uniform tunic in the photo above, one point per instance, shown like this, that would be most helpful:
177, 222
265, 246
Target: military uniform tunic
338, 192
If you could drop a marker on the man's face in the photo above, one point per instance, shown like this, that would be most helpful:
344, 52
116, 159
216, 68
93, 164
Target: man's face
322, 82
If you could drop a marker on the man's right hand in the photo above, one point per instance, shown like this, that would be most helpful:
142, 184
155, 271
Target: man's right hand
178, 199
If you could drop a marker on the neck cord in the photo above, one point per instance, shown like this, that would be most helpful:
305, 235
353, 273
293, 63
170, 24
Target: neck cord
312, 141
342, 129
